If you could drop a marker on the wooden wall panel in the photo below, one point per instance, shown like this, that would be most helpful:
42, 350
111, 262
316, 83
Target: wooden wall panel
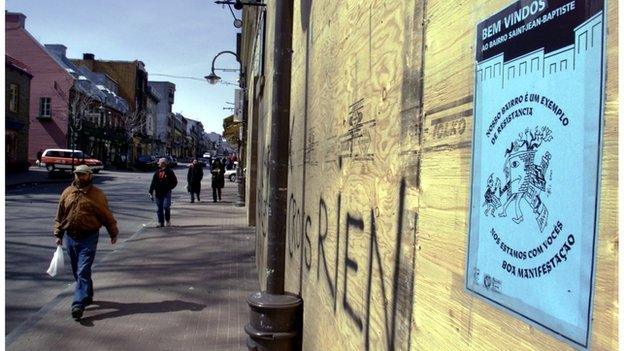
379, 175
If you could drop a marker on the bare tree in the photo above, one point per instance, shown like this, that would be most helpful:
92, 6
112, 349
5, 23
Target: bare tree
80, 108
134, 123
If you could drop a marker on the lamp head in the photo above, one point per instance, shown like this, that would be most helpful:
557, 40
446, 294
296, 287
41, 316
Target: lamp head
212, 78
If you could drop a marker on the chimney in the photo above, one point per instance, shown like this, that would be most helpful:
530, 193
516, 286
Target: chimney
15, 20
88, 56
57, 49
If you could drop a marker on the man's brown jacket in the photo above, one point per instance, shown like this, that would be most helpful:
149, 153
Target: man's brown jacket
82, 211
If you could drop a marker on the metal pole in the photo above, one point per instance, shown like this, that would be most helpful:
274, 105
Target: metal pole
275, 318
240, 175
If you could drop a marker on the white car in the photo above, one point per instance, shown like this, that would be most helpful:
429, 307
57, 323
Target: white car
230, 174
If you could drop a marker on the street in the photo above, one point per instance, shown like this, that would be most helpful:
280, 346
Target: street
30, 210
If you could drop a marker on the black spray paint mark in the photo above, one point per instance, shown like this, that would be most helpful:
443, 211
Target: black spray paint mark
322, 236
349, 263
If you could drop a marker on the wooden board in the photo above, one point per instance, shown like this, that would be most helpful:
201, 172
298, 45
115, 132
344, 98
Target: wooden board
379, 173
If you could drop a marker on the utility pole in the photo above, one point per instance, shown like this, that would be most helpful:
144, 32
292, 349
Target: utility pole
275, 318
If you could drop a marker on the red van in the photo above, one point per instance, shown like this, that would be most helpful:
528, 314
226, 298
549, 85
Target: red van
61, 160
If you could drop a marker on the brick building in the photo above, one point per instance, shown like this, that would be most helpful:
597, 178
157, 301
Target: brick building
49, 88
69, 106
17, 84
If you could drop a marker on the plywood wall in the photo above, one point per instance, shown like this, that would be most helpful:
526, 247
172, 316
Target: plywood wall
379, 173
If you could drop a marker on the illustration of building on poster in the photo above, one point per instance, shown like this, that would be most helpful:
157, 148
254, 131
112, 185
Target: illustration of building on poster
538, 106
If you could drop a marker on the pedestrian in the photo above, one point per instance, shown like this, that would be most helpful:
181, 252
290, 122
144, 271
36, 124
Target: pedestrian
39, 155
163, 181
194, 178
218, 179
82, 211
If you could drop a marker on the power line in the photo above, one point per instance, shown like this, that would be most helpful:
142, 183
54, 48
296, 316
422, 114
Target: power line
191, 78
179, 77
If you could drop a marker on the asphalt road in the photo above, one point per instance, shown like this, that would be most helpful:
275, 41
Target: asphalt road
30, 212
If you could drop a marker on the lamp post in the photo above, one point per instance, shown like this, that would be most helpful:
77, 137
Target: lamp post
212, 78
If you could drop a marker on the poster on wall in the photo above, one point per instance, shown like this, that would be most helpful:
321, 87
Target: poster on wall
538, 109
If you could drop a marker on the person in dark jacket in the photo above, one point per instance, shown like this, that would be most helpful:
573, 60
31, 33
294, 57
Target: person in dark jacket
194, 178
218, 179
163, 181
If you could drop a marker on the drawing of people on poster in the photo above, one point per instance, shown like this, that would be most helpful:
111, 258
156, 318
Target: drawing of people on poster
538, 105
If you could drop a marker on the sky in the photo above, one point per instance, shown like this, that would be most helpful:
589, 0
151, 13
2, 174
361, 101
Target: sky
178, 38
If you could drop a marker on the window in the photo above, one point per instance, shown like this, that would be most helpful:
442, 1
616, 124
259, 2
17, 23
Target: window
44, 107
13, 97
11, 146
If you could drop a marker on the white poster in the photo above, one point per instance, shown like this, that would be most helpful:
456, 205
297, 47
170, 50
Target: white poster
538, 106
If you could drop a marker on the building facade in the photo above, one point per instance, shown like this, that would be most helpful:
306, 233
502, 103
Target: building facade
195, 130
131, 77
151, 121
96, 112
17, 88
49, 88
164, 116
180, 141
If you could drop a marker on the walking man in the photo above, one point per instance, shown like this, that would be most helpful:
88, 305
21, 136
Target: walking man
218, 179
39, 155
163, 181
82, 211
194, 178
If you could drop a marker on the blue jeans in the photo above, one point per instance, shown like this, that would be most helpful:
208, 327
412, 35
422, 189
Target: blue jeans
164, 207
81, 254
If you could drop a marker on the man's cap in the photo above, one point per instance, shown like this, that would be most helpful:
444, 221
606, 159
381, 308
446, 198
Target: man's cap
83, 169
162, 160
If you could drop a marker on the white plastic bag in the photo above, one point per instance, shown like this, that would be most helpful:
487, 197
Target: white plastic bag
57, 265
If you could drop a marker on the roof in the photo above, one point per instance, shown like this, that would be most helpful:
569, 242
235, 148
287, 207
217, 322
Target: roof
35, 41
18, 65
95, 82
87, 82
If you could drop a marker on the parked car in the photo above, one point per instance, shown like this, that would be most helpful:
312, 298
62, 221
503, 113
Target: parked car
61, 160
230, 174
146, 163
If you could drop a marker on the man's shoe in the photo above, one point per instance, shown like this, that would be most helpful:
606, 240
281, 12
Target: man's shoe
168, 223
76, 313
160, 225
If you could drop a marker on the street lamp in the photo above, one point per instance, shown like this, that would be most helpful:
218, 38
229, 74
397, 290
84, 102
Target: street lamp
212, 78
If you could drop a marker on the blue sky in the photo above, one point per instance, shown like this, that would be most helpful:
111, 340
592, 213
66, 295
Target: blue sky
177, 38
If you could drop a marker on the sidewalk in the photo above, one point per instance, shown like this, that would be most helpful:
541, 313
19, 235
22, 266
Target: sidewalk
175, 288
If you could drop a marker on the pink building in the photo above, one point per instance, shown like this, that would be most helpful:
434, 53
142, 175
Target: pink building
49, 88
